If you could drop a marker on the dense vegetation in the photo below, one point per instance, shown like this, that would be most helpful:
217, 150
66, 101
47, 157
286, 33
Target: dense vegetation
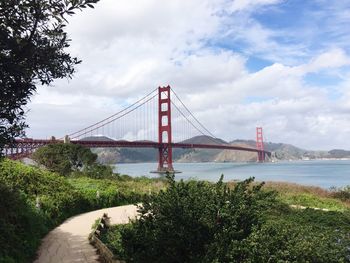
33, 45
202, 222
180, 222
34, 200
64, 158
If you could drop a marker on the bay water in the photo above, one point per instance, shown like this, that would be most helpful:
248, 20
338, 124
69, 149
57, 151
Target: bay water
323, 173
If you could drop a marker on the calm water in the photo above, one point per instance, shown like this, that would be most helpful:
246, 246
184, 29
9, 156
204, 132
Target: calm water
319, 173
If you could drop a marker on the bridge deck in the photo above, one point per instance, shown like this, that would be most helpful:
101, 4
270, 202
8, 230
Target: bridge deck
31, 143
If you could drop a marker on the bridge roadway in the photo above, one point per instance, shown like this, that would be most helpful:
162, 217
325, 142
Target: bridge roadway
35, 143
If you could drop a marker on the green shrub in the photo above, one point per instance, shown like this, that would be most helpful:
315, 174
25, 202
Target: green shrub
22, 225
99, 171
342, 193
113, 239
58, 198
189, 222
64, 158
202, 222
105, 193
285, 241
332, 220
314, 201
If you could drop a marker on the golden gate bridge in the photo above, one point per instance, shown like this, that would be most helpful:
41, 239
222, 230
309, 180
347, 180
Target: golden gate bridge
158, 120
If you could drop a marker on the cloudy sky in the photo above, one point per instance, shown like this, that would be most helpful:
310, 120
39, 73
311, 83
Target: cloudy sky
237, 64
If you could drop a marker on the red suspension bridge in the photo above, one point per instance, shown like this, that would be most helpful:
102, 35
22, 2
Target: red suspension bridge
158, 120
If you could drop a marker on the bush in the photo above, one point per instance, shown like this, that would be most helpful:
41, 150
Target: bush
104, 193
194, 222
64, 158
99, 171
342, 193
58, 198
113, 239
22, 225
202, 222
285, 241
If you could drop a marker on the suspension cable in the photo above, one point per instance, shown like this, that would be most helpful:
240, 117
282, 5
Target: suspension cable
212, 135
83, 132
138, 101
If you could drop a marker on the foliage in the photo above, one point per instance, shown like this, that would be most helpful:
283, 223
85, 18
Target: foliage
284, 241
313, 201
22, 186
32, 52
310, 196
104, 193
308, 235
142, 185
200, 222
333, 220
189, 222
99, 171
342, 193
64, 158
22, 225
112, 238
57, 197
114, 191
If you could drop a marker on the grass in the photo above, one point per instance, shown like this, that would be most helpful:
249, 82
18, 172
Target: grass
141, 185
309, 196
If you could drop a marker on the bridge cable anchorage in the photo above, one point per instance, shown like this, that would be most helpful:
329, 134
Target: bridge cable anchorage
94, 127
113, 115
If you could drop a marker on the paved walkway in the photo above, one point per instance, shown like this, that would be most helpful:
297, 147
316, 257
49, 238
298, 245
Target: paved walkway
69, 241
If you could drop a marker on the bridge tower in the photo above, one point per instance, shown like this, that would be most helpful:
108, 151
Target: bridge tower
260, 144
165, 160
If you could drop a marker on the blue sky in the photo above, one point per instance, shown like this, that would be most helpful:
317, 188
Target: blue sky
280, 64
304, 28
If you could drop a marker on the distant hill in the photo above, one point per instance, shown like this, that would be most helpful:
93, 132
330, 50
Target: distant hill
284, 151
336, 153
203, 139
199, 155
237, 156
281, 151
97, 138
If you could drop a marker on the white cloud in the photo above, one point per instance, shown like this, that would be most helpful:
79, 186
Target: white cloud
334, 58
240, 5
129, 49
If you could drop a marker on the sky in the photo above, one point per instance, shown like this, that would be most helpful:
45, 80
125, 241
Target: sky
237, 64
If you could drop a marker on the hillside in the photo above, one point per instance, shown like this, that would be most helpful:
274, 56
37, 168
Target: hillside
281, 151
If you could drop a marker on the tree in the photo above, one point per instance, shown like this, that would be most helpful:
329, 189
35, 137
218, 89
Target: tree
99, 171
32, 53
64, 158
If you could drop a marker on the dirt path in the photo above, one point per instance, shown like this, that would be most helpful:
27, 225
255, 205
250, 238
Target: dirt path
69, 241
